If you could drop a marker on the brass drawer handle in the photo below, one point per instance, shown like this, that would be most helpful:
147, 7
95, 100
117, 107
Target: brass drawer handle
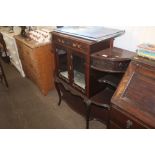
120, 65
74, 45
129, 124
79, 46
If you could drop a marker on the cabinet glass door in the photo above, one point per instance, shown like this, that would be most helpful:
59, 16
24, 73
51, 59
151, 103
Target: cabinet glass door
78, 65
62, 63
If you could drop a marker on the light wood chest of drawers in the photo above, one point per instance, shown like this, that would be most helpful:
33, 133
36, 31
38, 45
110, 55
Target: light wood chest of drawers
38, 62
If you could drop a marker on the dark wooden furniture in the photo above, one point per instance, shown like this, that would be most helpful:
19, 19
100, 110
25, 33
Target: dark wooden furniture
112, 61
101, 100
72, 55
2, 75
38, 62
73, 61
75, 58
133, 104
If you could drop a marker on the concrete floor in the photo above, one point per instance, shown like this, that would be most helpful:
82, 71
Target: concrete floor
22, 106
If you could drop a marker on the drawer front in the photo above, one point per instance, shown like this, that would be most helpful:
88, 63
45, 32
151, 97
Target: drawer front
29, 64
26, 50
70, 43
110, 66
32, 67
121, 120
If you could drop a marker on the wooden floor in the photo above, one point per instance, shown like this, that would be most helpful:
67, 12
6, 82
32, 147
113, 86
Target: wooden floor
22, 106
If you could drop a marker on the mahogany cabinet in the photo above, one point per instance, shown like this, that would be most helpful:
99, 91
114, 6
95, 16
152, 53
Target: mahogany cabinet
72, 49
72, 55
37, 62
133, 104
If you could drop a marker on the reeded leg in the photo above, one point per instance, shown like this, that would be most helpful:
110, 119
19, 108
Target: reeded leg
58, 91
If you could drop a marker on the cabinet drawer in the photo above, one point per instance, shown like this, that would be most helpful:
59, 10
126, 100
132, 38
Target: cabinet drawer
109, 66
70, 43
26, 50
33, 68
121, 120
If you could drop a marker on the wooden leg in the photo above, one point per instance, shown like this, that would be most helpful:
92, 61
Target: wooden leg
88, 109
108, 119
58, 91
3, 76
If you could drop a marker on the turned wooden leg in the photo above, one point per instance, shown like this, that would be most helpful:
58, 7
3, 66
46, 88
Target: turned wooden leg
88, 109
58, 91
3, 76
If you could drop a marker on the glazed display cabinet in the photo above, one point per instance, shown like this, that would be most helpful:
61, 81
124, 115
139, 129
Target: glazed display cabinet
72, 47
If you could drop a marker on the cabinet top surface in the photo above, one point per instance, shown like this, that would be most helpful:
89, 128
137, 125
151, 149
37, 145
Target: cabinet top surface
92, 33
30, 43
114, 54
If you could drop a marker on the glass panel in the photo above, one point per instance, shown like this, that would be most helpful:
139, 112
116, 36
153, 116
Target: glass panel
62, 63
79, 70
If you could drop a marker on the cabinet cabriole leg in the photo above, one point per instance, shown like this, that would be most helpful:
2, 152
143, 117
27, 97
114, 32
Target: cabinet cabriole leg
58, 91
88, 109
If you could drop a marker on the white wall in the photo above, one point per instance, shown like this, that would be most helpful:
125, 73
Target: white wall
134, 36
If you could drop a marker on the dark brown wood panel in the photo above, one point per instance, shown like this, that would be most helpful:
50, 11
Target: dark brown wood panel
135, 93
123, 120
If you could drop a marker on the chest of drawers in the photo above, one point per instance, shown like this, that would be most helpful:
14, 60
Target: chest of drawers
37, 62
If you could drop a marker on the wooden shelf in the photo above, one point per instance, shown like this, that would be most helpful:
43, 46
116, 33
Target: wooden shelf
111, 79
103, 98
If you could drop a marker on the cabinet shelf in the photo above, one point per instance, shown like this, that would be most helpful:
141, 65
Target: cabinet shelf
79, 79
64, 74
103, 98
111, 79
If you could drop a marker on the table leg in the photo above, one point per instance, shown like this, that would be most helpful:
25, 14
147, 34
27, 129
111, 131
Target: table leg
88, 109
58, 91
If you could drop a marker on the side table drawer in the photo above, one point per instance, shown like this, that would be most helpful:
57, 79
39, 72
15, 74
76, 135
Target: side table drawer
119, 119
109, 66
70, 43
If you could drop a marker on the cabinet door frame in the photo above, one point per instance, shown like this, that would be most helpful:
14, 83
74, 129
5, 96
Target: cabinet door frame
71, 53
57, 46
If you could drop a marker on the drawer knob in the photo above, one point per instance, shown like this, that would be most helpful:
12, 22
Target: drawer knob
137, 65
120, 65
74, 45
79, 46
129, 124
